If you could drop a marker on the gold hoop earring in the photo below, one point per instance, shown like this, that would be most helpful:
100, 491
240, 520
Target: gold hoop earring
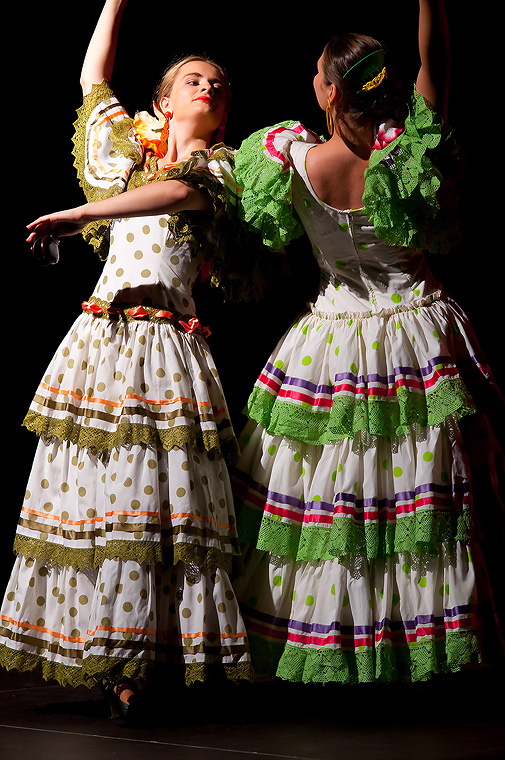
329, 119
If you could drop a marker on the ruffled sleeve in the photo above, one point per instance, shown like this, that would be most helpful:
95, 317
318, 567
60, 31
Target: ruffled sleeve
263, 177
209, 171
105, 153
407, 184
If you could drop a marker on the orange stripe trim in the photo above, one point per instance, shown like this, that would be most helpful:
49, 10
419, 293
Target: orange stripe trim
97, 400
31, 627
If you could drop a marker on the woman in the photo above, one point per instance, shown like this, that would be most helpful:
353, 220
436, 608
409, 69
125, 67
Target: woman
127, 535
358, 498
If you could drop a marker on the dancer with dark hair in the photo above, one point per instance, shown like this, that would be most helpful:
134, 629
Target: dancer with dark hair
127, 535
360, 499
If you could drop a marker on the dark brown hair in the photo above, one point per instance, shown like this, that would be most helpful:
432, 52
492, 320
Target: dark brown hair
387, 99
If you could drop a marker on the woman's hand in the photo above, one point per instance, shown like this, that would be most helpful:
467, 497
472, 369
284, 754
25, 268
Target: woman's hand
59, 224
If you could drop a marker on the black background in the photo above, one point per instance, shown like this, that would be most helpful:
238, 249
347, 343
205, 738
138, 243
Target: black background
270, 52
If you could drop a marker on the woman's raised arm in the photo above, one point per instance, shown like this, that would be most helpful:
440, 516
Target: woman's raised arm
434, 50
101, 52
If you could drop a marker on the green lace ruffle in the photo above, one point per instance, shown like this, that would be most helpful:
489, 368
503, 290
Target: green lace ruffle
421, 533
387, 663
403, 184
348, 416
265, 203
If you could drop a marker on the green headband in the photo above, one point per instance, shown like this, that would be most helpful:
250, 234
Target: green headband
367, 69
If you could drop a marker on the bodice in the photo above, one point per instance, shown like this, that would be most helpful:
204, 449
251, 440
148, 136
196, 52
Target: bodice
359, 272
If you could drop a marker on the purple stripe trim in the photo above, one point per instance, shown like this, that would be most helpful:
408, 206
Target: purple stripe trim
400, 371
342, 496
336, 625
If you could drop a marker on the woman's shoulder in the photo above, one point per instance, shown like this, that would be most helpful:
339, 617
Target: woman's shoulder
275, 143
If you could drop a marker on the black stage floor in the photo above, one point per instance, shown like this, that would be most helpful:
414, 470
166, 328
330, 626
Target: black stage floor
460, 717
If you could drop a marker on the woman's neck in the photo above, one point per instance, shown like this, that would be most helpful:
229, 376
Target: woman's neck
182, 141
358, 138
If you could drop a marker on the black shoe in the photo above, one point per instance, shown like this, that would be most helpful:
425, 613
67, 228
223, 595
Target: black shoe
119, 708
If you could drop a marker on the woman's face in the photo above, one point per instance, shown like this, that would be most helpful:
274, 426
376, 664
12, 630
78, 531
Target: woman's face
198, 94
320, 88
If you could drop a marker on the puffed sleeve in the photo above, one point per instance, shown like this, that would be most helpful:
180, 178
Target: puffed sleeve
263, 178
105, 152
409, 185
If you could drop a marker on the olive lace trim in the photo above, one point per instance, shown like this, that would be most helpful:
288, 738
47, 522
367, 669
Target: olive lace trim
139, 551
101, 442
96, 668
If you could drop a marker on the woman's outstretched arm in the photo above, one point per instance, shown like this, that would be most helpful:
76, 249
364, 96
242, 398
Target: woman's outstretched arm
99, 59
167, 197
434, 50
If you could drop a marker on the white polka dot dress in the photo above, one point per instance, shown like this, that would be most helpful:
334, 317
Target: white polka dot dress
127, 536
354, 486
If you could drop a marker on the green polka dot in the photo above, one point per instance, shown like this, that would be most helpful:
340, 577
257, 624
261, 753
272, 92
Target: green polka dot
354, 369
277, 580
423, 582
436, 334
406, 568
332, 590
309, 600
340, 264
396, 298
375, 345
385, 464
345, 601
297, 456
395, 599
272, 449
344, 227
304, 329
334, 475
340, 468
330, 338
279, 364
427, 456
337, 350
397, 471
316, 498
306, 360
363, 246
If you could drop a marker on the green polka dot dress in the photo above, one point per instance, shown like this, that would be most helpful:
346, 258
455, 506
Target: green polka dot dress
354, 485
127, 536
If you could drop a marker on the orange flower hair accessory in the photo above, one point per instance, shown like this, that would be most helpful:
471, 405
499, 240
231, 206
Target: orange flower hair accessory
152, 131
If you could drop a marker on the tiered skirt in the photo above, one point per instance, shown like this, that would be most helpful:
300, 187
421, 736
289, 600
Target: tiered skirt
355, 500
127, 536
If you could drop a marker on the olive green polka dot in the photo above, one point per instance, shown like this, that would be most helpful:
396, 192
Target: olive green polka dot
186, 612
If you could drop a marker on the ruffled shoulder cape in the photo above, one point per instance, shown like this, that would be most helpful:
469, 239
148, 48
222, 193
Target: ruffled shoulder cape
110, 158
263, 177
403, 184
408, 183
